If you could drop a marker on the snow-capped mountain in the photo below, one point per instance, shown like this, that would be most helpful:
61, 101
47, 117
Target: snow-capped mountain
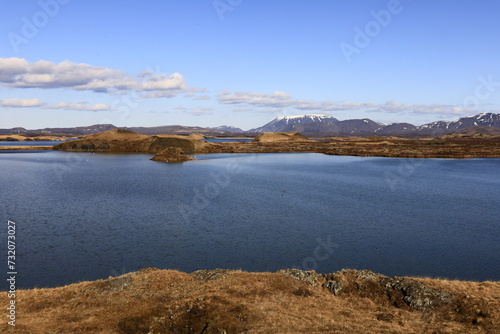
441, 127
227, 128
319, 125
395, 129
308, 125
297, 123
81, 130
311, 125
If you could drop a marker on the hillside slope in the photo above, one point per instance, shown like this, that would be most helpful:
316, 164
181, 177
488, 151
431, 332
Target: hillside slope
288, 301
119, 140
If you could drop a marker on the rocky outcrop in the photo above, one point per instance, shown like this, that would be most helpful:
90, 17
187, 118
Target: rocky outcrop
403, 293
171, 154
392, 291
396, 291
310, 277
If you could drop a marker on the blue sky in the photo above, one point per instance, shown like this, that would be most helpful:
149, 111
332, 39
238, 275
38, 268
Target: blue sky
243, 63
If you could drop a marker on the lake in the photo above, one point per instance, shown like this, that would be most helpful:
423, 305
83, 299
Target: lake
84, 216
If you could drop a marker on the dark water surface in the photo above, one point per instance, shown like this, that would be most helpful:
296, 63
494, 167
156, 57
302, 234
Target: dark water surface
82, 216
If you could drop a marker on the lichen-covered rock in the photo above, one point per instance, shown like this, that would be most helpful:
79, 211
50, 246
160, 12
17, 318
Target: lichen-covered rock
334, 286
310, 277
416, 294
397, 291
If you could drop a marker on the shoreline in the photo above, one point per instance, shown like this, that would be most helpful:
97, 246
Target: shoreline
123, 141
26, 148
363, 149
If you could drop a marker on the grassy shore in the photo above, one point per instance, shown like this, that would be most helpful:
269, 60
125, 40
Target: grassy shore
25, 148
288, 301
450, 147
33, 138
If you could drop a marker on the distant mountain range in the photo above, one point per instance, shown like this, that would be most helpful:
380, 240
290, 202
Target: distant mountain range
87, 130
308, 125
227, 128
320, 125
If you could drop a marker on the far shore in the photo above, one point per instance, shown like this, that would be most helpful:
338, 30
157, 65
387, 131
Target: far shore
23, 138
448, 146
26, 148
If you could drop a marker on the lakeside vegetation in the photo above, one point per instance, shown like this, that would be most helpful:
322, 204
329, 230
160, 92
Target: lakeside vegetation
288, 301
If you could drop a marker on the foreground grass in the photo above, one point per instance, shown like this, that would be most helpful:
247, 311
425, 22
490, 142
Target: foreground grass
291, 301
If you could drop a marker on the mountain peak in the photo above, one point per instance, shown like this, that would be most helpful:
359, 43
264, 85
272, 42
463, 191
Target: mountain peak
297, 117
319, 124
227, 128
442, 127
299, 123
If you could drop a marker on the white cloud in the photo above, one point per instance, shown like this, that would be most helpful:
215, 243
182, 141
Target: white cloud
80, 106
22, 103
31, 103
276, 99
279, 100
19, 73
202, 98
330, 106
270, 111
162, 85
200, 112
440, 109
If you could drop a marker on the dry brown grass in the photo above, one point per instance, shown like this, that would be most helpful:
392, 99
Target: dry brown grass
190, 136
125, 141
25, 148
164, 301
32, 138
117, 134
118, 140
273, 137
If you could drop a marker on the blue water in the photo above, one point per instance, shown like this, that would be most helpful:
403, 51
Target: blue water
83, 216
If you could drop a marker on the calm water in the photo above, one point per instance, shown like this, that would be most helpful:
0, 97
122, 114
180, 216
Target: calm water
86, 216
